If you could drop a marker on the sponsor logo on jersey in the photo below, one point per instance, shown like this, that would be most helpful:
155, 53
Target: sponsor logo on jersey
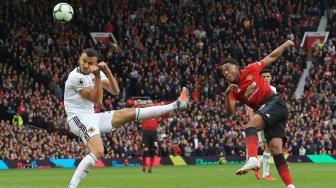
250, 89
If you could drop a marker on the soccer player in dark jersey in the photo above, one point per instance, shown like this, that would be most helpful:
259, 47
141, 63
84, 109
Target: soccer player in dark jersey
149, 144
271, 112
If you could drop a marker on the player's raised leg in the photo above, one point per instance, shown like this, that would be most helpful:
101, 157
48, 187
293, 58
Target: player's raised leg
122, 116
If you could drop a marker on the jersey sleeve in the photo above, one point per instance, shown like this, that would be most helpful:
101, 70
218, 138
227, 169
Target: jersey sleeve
102, 76
232, 97
257, 66
274, 89
79, 82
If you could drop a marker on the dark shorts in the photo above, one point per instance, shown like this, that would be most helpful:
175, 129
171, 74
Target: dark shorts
275, 113
150, 139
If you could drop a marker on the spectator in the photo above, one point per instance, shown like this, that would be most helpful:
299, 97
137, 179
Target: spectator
302, 151
17, 121
187, 150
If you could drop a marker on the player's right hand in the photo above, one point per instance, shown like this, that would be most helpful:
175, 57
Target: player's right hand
290, 44
103, 67
230, 89
95, 70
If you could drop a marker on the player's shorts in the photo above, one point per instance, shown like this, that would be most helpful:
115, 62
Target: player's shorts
86, 125
275, 113
150, 139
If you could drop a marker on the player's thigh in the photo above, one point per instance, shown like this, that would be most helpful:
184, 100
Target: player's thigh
105, 121
273, 111
84, 126
257, 121
276, 137
123, 116
275, 131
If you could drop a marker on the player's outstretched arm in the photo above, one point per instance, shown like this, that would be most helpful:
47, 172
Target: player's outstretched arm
111, 84
230, 105
277, 52
95, 94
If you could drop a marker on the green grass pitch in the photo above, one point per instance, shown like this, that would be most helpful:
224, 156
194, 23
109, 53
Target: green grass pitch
219, 176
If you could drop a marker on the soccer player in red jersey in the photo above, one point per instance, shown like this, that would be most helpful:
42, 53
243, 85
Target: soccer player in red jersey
149, 144
149, 138
271, 112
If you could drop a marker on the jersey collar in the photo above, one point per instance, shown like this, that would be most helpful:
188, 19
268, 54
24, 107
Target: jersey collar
78, 70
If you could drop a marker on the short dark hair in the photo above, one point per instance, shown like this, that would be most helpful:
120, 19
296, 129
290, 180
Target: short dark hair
231, 61
90, 52
266, 71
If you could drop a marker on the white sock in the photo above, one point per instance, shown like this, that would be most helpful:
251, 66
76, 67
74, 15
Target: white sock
153, 111
265, 160
261, 160
82, 169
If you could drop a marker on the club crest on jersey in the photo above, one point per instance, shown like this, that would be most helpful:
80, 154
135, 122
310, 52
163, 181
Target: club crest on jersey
249, 77
81, 81
91, 130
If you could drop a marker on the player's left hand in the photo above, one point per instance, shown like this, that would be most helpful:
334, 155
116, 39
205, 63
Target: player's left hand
103, 67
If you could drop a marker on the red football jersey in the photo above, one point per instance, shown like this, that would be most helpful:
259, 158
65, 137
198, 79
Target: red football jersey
252, 90
150, 124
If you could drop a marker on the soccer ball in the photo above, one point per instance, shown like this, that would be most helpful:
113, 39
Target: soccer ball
63, 12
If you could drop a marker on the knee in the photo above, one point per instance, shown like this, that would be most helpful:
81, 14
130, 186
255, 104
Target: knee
275, 149
99, 152
249, 125
254, 126
121, 117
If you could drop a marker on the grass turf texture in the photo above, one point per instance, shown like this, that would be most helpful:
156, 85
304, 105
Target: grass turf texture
219, 176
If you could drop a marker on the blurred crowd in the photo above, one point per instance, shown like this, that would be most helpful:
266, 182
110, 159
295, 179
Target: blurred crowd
162, 46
